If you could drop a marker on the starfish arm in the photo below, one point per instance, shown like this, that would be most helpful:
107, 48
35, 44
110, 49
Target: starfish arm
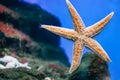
78, 23
96, 47
96, 28
66, 33
78, 48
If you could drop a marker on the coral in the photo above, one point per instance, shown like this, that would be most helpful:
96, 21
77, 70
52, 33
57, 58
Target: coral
12, 62
91, 68
6, 10
59, 72
9, 31
20, 74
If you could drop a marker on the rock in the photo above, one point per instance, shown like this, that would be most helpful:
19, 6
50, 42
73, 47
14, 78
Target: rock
20, 74
92, 67
43, 52
28, 20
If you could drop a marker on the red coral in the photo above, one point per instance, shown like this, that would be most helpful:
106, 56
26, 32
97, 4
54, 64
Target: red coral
57, 67
9, 31
4, 9
23, 60
53, 66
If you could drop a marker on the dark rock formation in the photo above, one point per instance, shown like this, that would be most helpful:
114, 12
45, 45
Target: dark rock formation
20, 74
92, 67
28, 20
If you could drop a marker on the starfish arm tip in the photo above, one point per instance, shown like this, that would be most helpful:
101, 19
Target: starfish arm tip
67, 1
109, 60
43, 26
70, 72
112, 13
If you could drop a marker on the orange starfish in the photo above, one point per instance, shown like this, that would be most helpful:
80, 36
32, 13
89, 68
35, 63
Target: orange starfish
81, 36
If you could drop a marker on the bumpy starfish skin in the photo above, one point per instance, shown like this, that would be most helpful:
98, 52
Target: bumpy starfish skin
81, 36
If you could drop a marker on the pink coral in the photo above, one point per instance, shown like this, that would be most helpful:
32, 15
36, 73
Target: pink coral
23, 60
4, 9
9, 31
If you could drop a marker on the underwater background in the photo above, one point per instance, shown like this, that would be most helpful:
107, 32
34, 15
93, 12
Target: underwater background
50, 54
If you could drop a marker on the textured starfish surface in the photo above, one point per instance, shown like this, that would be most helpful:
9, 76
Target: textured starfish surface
81, 36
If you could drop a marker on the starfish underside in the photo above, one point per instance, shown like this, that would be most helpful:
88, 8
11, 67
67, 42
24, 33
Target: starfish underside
81, 36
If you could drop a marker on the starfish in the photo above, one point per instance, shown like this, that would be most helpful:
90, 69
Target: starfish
81, 36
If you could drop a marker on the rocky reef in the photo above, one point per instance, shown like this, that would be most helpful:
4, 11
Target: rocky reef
28, 18
20, 30
20, 74
22, 38
91, 68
